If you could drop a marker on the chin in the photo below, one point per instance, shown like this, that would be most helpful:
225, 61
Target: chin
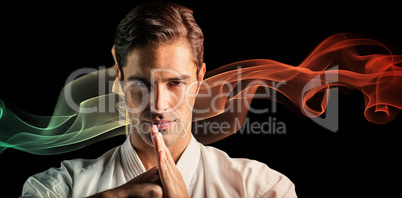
169, 138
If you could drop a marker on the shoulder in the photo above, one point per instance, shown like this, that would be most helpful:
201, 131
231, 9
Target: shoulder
251, 178
59, 181
76, 167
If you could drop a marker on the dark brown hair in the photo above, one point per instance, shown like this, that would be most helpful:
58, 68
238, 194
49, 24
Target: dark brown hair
155, 22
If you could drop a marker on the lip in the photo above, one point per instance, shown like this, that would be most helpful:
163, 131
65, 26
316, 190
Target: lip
161, 124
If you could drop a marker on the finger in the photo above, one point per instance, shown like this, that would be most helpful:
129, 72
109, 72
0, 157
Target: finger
154, 132
162, 155
164, 170
162, 162
161, 149
159, 143
162, 146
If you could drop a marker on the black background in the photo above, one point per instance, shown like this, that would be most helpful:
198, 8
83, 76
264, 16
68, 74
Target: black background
42, 44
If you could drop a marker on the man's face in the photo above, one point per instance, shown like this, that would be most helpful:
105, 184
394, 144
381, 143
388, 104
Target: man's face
160, 85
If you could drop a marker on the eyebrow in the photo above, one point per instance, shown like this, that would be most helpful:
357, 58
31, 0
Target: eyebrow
142, 79
137, 78
182, 77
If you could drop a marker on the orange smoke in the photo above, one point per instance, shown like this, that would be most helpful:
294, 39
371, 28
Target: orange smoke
360, 63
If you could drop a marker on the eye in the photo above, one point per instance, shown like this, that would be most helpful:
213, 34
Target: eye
176, 83
138, 84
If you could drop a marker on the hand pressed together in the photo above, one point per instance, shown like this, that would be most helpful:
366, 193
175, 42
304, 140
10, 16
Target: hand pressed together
172, 181
163, 180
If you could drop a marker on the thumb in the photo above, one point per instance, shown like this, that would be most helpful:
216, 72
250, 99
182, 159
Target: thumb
150, 176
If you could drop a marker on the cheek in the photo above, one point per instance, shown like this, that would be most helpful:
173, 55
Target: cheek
136, 101
132, 99
191, 95
187, 104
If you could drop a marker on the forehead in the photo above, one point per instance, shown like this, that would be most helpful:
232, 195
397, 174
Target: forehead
168, 59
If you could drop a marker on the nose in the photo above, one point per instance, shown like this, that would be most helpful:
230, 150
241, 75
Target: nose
159, 99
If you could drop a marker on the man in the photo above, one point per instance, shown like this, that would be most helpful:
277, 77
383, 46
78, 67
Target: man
159, 62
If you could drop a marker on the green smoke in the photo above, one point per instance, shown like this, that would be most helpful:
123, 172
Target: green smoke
69, 128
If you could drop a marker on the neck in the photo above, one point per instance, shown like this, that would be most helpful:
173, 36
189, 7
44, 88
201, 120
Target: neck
146, 152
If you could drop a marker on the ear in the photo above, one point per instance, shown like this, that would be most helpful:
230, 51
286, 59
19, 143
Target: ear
114, 55
201, 75
118, 72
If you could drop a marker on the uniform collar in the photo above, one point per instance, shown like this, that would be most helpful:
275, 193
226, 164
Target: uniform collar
187, 164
